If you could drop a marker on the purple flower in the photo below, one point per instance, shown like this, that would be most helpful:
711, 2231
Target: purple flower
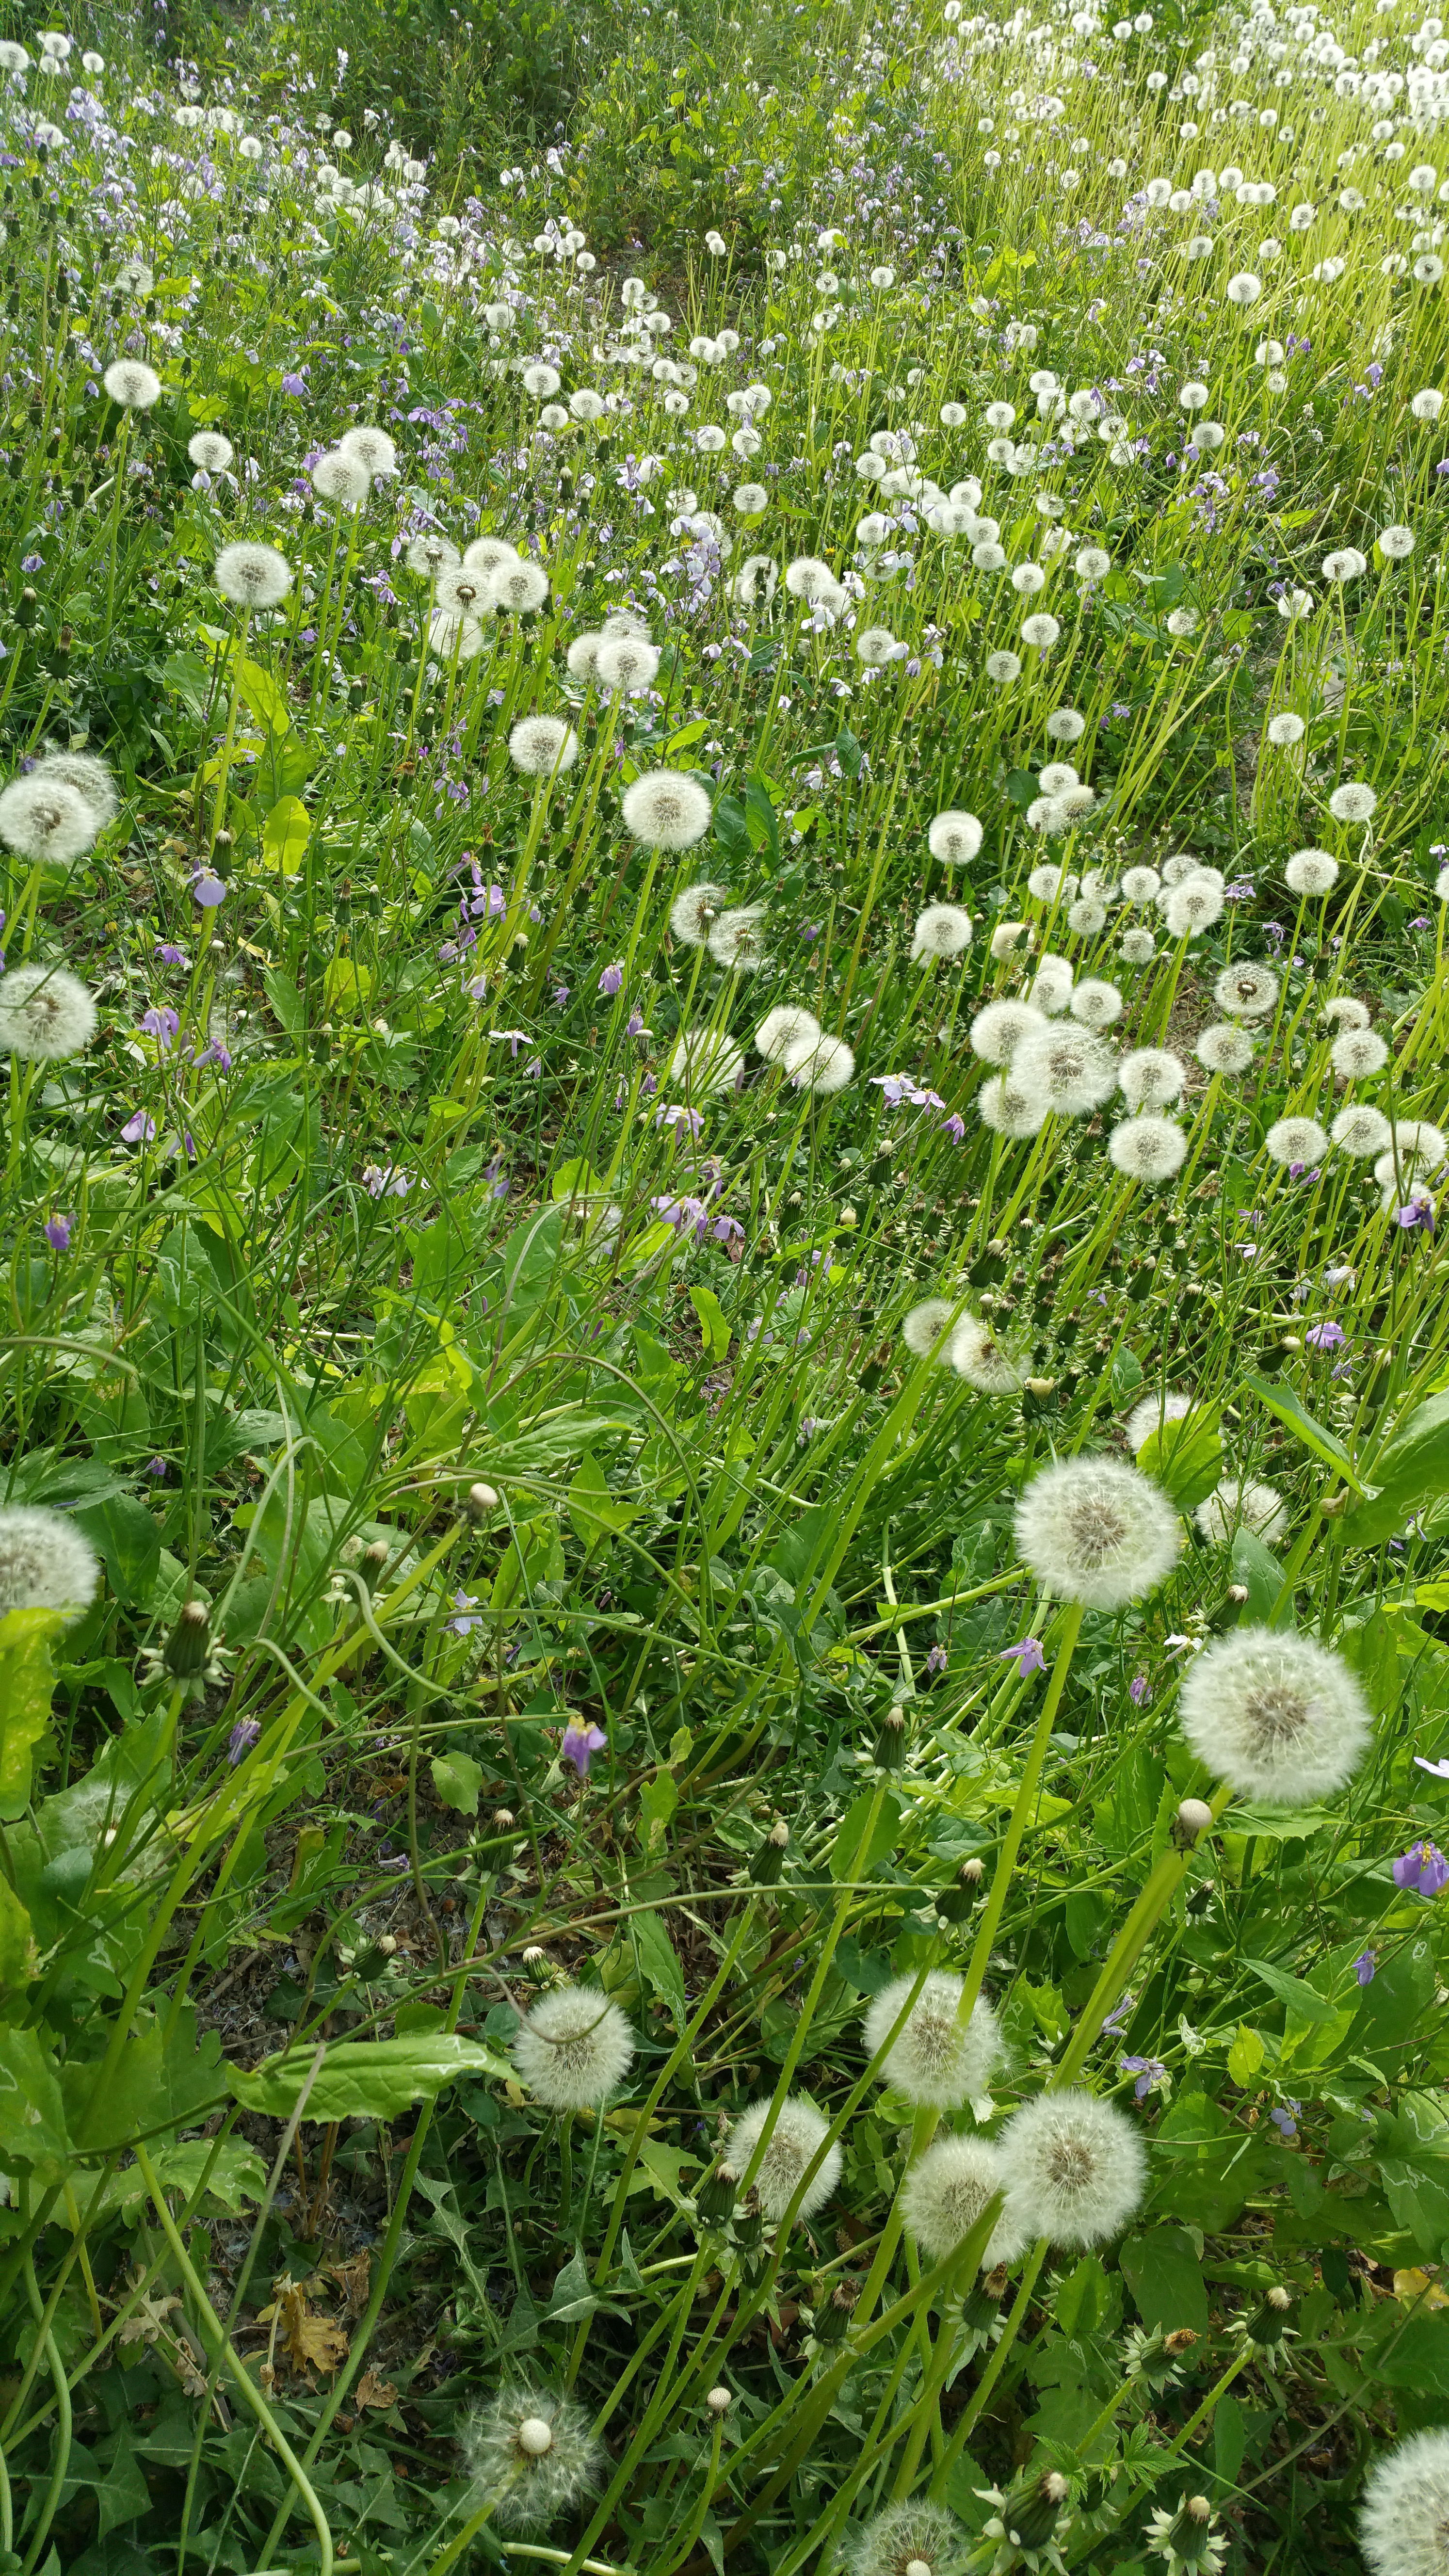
1283, 2120
561, 994
463, 1602
163, 1024
1117, 2017
57, 1233
1363, 1967
139, 1129
158, 1468
1139, 1689
936, 1661
32, 563
1029, 1656
634, 1027
1148, 2071
955, 1126
241, 1739
1422, 1867
295, 385
1417, 1213
169, 955
207, 889
612, 979
1325, 1337
581, 1741
1437, 1770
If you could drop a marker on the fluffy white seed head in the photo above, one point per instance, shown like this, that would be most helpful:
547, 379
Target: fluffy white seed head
705, 1061
1357, 1053
1353, 803
1095, 1003
785, 1027
1193, 905
573, 2049
1094, 1530
44, 816
1311, 872
935, 2061
540, 746
821, 1065
693, 914
930, 1323
1147, 1148
486, 554
667, 810
626, 665
1241, 1503
1141, 885
371, 446
252, 575
1222, 1048
942, 930
1076, 2168
1361, 1130
946, 2192
984, 1361
1013, 1107
1245, 990
794, 2141
341, 478
1151, 1413
1050, 989
532, 2455
431, 554
517, 587
88, 776
997, 1031
737, 939
46, 1563
45, 1014
1075, 1068
954, 838
132, 384
1150, 1077
210, 452
1405, 2511
1274, 1714
915, 2539
1295, 1140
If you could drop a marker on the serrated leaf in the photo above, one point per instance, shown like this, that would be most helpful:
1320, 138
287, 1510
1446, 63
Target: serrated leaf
365, 2079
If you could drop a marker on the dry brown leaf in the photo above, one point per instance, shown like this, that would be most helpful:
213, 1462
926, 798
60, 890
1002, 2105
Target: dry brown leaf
306, 2340
148, 2319
372, 2391
352, 2278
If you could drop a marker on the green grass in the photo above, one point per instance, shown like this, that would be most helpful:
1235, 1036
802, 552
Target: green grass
531, 1546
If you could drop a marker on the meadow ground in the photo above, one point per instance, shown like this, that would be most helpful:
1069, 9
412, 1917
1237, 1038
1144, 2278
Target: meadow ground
724, 1560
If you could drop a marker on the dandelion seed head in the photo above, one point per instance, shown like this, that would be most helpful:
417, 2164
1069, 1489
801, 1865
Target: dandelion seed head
573, 2048
1076, 2166
1404, 2518
533, 2455
1295, 1140
915, 2539
253, 575
342, 478
797, 2136
977, 1353
1150, 1077
667, 810
46, 1563
1242, 1503
1147, 1148
1073, 1066
1224, 1048
946, 2191
935, 2061
942, 930
132, 384
1094, 1530
998, 1029
954, 838
541, 746
45, 1013
1275, 1714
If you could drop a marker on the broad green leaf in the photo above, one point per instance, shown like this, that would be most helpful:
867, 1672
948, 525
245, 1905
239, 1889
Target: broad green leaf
1419, 2359
1163, 2273
659, 1799
714, 1331
1082, 2298
851, 1857
129, 1542
365, 2079
659, 1962
1412, 1470
285, 835
237, 2176
458, 1780
161, 2080
346, 986
1186, 1458
1259, 1570
27, 1680
593, 1508
289, 1009
32, 2114
1292, 1991
18, 1960
1324, 1444
1246, 2054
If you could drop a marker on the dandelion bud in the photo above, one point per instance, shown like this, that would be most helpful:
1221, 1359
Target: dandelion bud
504, 1820
184, 1654
1194, 1817
749, 2227
1330, 1505
479, 1501
890, 1742
536, 1961
833, 2314
1027, 2517
719, 2401
1186, 2539
715, 2197
769, 1860
29, 604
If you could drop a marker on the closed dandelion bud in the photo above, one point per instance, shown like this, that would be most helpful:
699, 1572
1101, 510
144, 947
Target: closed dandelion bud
833, 2315
1187, 2539
185, 1651
719, 2401
715, 2197
769, 1860
1331, 1505
372, 1561
479, 1501
538, 1965
1194, 1818
981, 2316
1230, 1609
890, 1742
749, 2226
27, 607
1028, 2515
1269, 2323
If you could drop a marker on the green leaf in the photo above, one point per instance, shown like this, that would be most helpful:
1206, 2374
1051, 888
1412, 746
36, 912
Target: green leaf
1420, 2358
848, 752
365, 2079
851, 1857
237, 2176
27, 1680
1414, 2170
1299, 1998
18, 1960
1324, 1445
346, 986
1410, 1471
1256, 1567
659, 1963
162, 2080
1230, 2439
761, 820
288, 1007
458, 1780
1082, 2298
285, 835
714, 1331
32, 2115
129, 1542
1246, 2054
1186, 1458
593, 1508
1163, 2273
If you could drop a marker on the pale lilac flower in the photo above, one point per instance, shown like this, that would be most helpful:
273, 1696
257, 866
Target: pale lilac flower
1149, 2071
1363, 1967
140, 1129
243, 1736
581, 1741
1029, 1656
612, 979
58, 1232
